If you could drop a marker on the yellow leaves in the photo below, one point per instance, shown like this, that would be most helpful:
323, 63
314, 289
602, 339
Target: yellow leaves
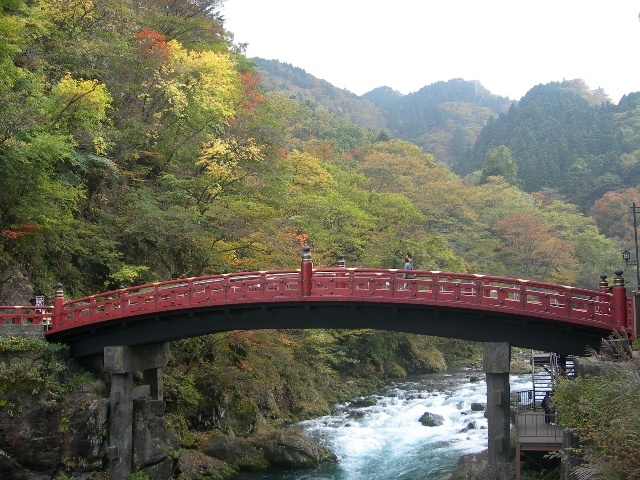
80, 106
222, 159
396, 166
200, 85
71, 15
308, 172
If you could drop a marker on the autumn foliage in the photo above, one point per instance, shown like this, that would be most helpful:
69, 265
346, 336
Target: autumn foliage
152, 44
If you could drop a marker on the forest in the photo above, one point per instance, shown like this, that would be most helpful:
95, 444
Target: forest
138, 143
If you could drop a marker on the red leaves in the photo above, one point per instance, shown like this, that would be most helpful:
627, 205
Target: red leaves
22, 231
250, 88
153, 44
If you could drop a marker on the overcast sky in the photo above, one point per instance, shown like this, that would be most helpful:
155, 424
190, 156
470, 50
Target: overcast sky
508, 45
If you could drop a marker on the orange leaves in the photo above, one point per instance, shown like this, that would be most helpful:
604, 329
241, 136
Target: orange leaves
532, 247
302, 239
152, 44
250, 90
22, 231
613, 215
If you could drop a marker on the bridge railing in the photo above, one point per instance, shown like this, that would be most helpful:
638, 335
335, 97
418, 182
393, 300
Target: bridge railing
17, 315
484, 292
490, 292
178, 294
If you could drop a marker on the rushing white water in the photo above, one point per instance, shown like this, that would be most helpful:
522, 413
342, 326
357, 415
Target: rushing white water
387, 441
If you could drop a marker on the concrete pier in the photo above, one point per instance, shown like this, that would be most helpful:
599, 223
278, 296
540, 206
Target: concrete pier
121, 363
496, 361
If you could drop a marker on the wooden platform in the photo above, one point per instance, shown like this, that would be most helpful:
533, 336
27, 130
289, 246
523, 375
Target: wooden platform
533, 433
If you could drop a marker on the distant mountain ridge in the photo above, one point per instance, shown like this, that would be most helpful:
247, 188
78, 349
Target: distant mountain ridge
567, 141
304, 87
444, 118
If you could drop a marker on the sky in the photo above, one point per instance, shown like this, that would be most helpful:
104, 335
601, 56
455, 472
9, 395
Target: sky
509, 46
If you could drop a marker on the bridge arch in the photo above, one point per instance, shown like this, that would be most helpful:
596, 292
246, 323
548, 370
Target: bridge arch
130, 327
481, 308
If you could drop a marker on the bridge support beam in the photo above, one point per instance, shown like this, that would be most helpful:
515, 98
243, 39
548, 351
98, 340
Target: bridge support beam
121, 363
496, 361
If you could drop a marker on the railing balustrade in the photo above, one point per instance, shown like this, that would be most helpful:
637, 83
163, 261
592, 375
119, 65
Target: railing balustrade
446, 289
538, 427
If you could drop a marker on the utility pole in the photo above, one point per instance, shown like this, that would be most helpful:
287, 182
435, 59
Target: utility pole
626, 254
635, 239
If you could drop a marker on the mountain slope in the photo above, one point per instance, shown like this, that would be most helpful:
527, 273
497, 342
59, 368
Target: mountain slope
444, 118
296, 82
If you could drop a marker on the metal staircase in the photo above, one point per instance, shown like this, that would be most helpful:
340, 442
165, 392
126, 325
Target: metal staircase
546, 369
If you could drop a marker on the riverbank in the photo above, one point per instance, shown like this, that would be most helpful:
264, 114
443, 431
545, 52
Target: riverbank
382, 432
233, 388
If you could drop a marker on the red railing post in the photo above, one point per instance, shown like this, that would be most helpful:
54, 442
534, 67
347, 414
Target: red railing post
306, 272
58, 305
619, 300
633, 315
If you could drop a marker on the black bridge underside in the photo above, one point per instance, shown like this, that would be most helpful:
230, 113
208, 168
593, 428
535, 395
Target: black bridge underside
455, 322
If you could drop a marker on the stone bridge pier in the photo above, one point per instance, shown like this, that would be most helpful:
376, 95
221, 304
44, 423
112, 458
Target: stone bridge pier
121, 363
496, 360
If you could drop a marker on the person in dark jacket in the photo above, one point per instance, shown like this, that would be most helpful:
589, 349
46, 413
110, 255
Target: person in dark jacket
549, 417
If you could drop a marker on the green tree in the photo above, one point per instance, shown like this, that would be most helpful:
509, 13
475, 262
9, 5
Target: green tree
499, 162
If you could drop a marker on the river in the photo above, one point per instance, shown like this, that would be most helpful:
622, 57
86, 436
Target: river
387, 441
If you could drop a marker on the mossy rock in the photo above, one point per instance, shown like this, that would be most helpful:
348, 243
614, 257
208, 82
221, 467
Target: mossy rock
194, 465
293, 449
364, 402
244, 414
429, 419
237, 451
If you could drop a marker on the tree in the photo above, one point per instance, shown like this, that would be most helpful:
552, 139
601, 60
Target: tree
612, 213
499, 162
529, 246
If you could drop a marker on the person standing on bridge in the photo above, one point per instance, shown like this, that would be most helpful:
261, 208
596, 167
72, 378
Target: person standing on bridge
408, 265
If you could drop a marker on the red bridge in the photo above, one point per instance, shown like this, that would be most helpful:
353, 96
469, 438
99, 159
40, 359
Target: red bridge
523, 313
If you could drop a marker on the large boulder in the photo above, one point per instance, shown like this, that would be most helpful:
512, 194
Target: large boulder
237, 451
40, 437
292, 448
194, 465
10, 469
284, 448
476, 467
429, 419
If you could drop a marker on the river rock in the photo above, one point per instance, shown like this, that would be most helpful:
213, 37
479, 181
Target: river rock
364, 402
476, 467
194, 465
478, 407
285, 448
240, 452
470, 426
429, 419
292, 448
